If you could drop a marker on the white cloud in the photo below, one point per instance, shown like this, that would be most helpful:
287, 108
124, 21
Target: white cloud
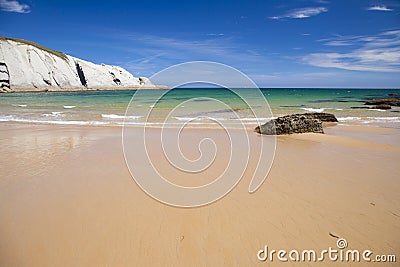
372, 60
215, 34
302, 13
340, 40
338, 43
14, 6
379, 8
379, 53
157, 52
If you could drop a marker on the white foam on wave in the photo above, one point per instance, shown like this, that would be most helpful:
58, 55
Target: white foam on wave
69, 107
186, 118
6, 117
377, 109
314, 109
200, 118
114, 116
57, 117
387, 118
12, 118
369, 119
53, 114
344, 119
254, 119
20, 105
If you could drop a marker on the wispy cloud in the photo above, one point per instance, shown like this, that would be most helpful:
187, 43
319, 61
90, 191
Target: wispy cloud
342, 40
154, 53
379, 53
215, 34
14, 6
338, 43
302, 13
379, 8
321, 1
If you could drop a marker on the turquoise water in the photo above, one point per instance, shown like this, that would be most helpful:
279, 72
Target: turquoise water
108, 107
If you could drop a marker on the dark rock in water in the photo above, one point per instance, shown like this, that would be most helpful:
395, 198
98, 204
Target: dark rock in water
322, 101
293, 106
382, 106
384, 101
360, 107
296, 123
393, 94
322, 116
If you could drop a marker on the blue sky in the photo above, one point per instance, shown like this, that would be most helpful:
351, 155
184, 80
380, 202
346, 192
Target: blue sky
302, 43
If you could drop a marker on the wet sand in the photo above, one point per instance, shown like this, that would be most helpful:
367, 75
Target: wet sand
67, 199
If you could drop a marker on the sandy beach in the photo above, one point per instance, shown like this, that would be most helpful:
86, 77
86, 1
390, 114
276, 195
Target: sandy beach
68, 199
199, 133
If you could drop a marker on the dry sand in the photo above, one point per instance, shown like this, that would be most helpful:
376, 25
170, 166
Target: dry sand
67, 199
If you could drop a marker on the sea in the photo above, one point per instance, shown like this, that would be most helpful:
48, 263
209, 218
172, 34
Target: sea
197, 107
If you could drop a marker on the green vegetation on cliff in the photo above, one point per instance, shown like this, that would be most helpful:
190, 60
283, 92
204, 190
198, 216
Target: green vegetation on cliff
56, 53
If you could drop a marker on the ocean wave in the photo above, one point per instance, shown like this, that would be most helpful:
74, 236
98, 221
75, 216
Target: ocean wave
377, 109
344, 119
19, 105
53, 114
114, 116
12, 118
200, 118
369, 119
254, 119
69, 107
59, 118
314, 109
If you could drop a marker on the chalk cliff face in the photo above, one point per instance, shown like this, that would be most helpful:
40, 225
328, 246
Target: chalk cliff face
26, 66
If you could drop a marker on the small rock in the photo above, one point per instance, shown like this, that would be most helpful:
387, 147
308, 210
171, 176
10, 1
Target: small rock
382, 106
333, 235
360, 107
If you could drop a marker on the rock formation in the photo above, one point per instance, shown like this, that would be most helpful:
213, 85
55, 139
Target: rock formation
384, 101
382, 106
296, 123
4, 77
27, 66
322, 116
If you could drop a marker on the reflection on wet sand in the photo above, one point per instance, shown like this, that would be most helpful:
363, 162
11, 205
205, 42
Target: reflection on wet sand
33, 148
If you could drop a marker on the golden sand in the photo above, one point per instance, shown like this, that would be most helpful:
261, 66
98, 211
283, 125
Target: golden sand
67, 199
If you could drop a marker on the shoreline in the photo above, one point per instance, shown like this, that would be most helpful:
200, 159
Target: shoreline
159, 125
50, 89
31, 89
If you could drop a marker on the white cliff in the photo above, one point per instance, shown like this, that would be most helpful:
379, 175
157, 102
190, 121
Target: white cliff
26, 66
